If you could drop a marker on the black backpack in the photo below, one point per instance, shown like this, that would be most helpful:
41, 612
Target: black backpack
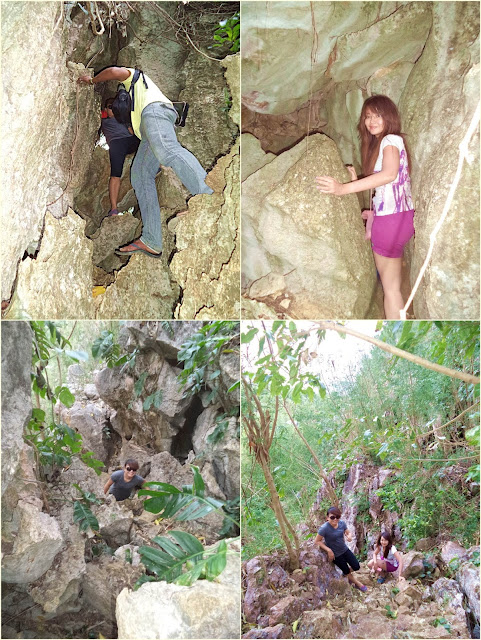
124, 103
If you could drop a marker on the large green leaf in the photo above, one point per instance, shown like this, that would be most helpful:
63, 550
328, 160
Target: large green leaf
182, 559
83, 516
188, 503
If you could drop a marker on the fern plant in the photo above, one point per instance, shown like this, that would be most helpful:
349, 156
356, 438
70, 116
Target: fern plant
82, 514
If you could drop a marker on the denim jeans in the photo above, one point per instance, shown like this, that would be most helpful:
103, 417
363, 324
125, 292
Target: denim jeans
159, 146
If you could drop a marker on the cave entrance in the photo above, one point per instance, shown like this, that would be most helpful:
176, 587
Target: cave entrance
182, 442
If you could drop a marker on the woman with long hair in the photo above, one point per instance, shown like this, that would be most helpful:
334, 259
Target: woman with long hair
386, 558
385, 163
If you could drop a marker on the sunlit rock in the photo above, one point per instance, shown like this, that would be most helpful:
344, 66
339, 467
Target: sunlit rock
61, 271
315, 241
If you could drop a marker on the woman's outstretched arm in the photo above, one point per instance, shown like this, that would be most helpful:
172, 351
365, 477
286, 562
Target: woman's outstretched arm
388, 173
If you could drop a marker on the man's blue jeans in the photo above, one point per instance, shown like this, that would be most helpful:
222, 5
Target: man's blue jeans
159, 146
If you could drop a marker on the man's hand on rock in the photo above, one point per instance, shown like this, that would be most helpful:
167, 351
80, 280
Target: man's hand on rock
330, 555
84, 80
108, 499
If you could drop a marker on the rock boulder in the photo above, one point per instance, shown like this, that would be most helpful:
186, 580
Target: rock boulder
162, 610
314, 241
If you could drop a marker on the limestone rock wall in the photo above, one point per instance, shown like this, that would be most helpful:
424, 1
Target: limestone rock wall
425, 56
161, 610
16, 393
449, 67
48, 118
300, 249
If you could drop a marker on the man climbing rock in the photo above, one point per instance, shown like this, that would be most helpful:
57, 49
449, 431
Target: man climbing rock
153, 119
121, 143
122, 482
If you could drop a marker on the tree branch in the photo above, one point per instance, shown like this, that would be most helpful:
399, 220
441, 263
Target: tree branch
422, 362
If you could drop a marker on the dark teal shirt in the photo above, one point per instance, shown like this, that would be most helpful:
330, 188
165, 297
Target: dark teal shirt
334, 538
121, 489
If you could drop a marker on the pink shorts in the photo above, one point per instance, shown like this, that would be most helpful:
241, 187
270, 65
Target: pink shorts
390, 567
390, 233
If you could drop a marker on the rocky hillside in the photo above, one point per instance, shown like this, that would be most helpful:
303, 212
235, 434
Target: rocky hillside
61, 581
62, 244
438, 599
332, 56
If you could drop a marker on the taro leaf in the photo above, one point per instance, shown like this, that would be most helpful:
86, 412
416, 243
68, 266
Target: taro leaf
83, 516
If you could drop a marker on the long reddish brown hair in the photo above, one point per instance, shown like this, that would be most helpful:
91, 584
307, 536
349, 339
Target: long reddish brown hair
384, 107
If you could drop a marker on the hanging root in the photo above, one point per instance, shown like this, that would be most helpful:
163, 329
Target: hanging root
94, 14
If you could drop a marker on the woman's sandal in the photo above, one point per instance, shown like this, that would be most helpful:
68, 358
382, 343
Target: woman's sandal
381, 580
138, 249
363, 588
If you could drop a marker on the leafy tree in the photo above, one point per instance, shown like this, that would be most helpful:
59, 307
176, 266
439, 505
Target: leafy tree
201, 354
54, 443
416, 410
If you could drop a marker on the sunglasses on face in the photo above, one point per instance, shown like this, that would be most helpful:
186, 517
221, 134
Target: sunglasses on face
334, 517
130, 469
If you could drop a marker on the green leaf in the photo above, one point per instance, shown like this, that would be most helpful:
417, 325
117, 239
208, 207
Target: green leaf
168, 562
66, 397
234, 386
185, 504
199, 486
139, 384
216, 562
84, 517
38, 415
88, 459
154, 399
77, 355
247, 337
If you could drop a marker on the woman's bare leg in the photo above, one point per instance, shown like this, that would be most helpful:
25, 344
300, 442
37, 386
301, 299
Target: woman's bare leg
390, 273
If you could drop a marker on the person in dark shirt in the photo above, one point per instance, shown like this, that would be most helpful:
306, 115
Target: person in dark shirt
331, 538
122, 482
121, 142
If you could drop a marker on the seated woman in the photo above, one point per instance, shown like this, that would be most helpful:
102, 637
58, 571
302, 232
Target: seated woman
389, 560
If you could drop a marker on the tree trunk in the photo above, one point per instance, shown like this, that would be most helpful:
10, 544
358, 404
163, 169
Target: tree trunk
280, 515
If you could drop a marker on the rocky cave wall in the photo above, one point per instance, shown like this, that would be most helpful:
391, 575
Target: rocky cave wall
307, 68
59, 242
57, 579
